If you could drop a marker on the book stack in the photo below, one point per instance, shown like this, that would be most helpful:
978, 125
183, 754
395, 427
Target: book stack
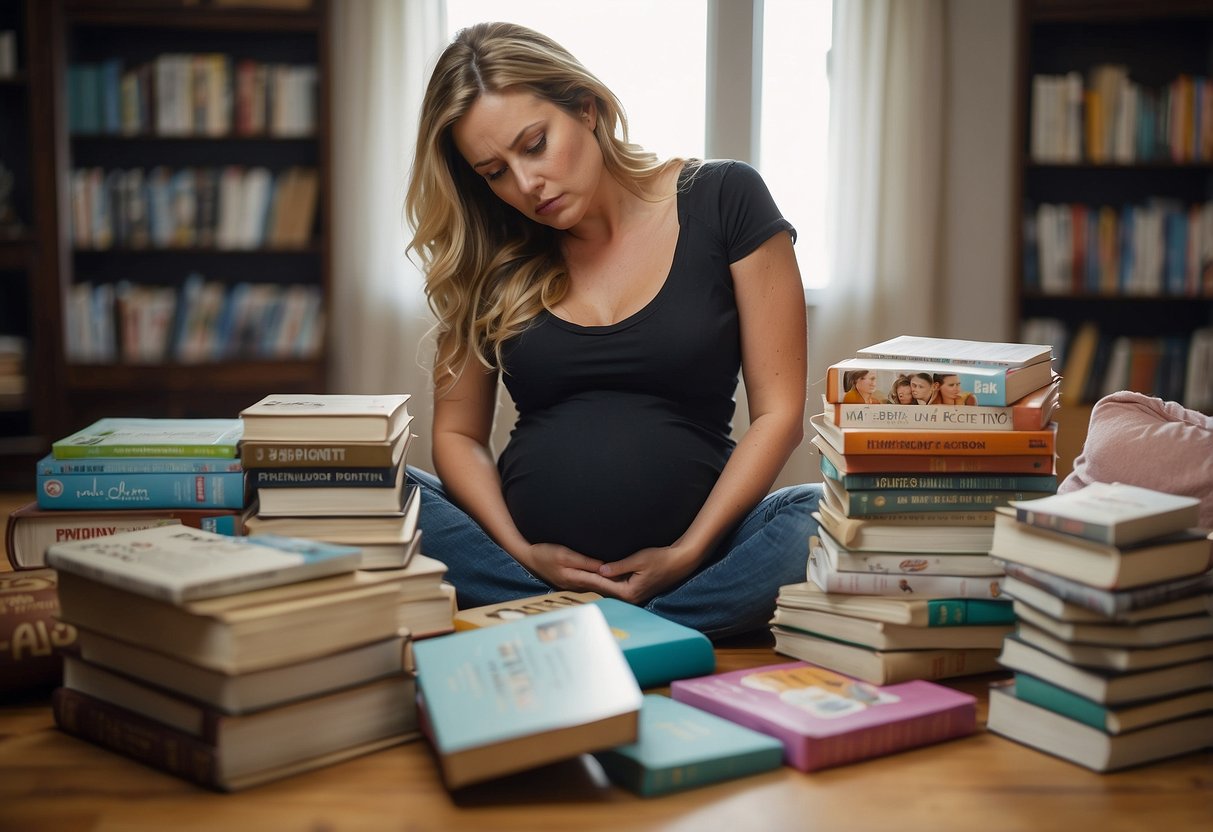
215, 658
1113, 652
121, 474
920, 439
332, 468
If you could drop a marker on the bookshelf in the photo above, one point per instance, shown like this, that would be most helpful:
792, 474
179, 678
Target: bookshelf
192, 159
1114, 196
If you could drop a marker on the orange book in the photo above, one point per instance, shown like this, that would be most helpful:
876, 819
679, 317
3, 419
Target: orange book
860, 441
936, 463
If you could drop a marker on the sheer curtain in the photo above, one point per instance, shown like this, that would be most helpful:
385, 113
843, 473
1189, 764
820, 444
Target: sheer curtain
382, 51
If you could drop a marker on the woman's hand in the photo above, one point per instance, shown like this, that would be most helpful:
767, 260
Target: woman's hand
561, 567
646, 573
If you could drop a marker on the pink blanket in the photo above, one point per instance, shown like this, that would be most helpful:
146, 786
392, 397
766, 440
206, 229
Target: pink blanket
1144, 441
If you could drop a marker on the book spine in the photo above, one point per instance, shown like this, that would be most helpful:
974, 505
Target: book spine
961, 443
935, 417
126, 491
62, 451
32, 639
907, 586
895, 501
898, 563
137, 465
322, 478
257, 455
1101, 601
135, 736
940, 482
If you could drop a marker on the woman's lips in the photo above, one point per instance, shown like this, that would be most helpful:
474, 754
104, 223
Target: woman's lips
550, 205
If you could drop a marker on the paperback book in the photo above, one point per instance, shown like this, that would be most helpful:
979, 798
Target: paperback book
1115, 604
1033, 412
1115, 657
933, 463
349, 500
903, 500
964, 532
50, 466
127, 437
320, 418
992, 386
825, 719
824, 572
327, 454
910, 612
1059, 608
1115, 514
884, 667
850, 441
940, 482
958, 351
881, 635
901, 563
121, 492
1141, 634
1111, 720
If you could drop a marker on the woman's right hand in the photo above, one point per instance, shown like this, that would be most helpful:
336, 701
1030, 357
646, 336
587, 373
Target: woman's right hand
561, 567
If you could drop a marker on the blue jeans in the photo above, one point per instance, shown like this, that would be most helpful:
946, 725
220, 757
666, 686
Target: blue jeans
732, 592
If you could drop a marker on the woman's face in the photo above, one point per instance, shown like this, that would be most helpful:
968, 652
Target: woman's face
949, 388
866, 383
537, 157
905, 395
921, 388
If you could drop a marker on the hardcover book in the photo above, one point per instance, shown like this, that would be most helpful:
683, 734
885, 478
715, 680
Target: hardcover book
1113, 656
901, 563
908, 533
1115, 720
1141, 634
881, 635
1017, 719
860, 441
934, 463
110, 492
958, 351
682, 747
1115, 514
176, 564
30, 531
230, 753
125, 437
903, 500
503, 699
33, 640
910, 612
1120, 604
1033, 412
337, 501
1058, 608
50, 466
824, 572
825, 719
994, 386
658, 650
940, 482
286, 455
320, 418
884, 667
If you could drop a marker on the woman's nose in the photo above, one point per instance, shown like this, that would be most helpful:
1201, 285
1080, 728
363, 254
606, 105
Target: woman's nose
529, 179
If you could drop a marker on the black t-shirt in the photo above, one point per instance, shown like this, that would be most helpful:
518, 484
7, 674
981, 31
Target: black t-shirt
623, 430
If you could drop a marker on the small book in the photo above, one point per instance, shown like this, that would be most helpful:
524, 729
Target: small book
658, 650
321, 418
152, 438
884, 667
1017, 719
498, 700
1111, 720
177, 564
909, 612
1114, 514
881, 635
958, 351
682, 747
826, 719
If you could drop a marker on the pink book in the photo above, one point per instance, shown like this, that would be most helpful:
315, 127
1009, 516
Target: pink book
826, 719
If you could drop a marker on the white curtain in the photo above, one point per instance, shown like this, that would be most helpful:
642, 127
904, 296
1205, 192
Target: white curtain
382, 52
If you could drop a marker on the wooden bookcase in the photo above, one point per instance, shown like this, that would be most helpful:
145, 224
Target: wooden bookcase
1156, 41
127, 35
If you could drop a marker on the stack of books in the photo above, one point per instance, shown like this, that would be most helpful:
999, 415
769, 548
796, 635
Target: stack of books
920, 439
1113, 652
331, 468
216, 658
122, 474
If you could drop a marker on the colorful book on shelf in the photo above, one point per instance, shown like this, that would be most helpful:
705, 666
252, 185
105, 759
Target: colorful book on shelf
177, 564
940, 482
861, 441
910, 612
230, 753
867, 502
123, 436
33, 639
244, 632
284, 456
1115, 514
682, 747
497, 700
823, 571
881, 635
825, 719
121, 492
1017, 719
992, 386
934, 463
909, 533
658, 650
320, 418
1111, 720
1033, 412
1117, 605
1099, 565
958, 351
30, 530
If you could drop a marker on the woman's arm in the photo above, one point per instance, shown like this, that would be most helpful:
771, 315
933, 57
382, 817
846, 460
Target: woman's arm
770, 303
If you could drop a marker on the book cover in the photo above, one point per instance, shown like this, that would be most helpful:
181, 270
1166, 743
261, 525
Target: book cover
33, 640
136, 491
1113, 513
30, 530
1017, 719
492, 614
881, 635
50, 466
1114, 604
861, 441
934, 463
503, 699
681, 747
177, 564
958, 351
124, 436
992, 386
824, 572
901, 500
1115, 720
825, 719
1033, 412
312, 417
940, 482
912, 612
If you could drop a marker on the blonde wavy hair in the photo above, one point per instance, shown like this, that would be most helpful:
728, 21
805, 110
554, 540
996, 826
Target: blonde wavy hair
489, 270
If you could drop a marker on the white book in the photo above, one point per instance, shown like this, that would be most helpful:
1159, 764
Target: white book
825, 573
178, 564
317, 417
1117, 514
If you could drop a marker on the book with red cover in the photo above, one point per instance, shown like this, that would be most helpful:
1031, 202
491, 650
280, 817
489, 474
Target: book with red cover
32, 638
826, 719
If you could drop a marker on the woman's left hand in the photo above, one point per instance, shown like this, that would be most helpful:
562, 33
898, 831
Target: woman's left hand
646, 573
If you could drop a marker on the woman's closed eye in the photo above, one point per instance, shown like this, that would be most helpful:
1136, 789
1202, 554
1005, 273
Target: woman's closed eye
538, 145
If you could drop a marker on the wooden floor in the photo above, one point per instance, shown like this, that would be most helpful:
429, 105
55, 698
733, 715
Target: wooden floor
53, 782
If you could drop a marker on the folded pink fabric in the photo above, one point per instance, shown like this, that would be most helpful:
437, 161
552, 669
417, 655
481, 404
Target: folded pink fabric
1144, 441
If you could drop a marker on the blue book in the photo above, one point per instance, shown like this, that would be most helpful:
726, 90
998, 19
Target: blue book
135, 490
681, 747
503, 699
940, 482
138, 465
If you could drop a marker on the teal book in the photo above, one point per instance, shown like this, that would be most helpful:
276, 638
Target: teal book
1112, 720
940, 482
128, 437
682, 747
544, 688
913, 612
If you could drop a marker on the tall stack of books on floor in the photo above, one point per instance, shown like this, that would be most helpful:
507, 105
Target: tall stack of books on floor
1113, 652
900, 581
331, 468
230, 661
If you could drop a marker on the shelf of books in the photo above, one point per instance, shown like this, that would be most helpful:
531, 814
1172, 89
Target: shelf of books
1114, 165
196, 205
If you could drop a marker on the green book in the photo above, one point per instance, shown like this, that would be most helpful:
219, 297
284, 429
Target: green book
129, 437
681, 747
1111, 720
